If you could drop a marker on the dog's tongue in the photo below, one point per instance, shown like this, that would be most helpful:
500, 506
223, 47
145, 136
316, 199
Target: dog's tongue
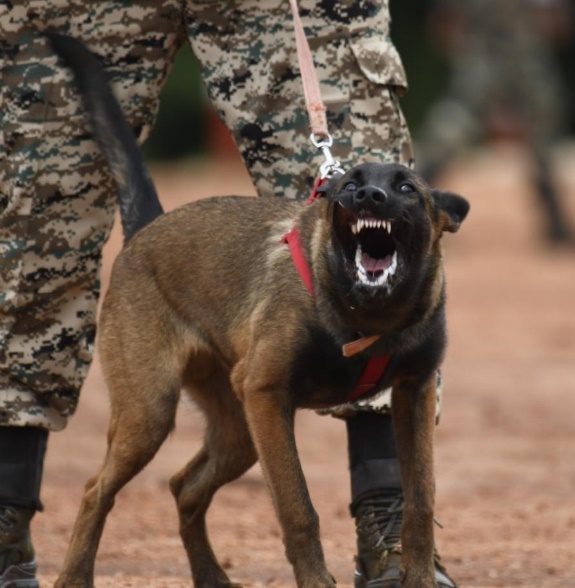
375, 265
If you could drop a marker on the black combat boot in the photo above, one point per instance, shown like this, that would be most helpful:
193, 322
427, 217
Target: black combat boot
17, 558
22, 451
378, 527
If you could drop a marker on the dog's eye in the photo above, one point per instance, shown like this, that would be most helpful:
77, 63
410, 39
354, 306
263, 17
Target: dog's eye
406, 189
350, 187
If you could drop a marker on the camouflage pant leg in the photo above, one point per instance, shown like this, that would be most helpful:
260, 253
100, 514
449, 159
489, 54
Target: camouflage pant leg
247, 52
57, 201
249, 62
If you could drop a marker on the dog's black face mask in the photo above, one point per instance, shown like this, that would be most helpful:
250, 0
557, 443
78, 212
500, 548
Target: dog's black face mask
385, 222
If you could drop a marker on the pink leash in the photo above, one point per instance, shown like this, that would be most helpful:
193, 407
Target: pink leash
320, 136
313, 101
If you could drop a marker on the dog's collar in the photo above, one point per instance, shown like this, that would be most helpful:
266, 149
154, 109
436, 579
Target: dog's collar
376, 365
318, 190
359, 345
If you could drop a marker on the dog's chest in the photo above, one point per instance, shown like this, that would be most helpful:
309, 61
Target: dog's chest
321, 376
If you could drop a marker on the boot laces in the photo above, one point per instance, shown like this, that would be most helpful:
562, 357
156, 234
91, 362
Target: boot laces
380, 521
8, 518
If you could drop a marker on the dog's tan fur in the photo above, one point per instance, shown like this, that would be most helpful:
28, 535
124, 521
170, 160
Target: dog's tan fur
207, 299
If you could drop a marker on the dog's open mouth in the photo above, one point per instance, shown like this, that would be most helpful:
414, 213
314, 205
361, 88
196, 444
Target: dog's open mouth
369, 246
375, 253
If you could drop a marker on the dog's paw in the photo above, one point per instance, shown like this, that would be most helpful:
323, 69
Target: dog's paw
419, 583
218, 584
328, 582
64, 582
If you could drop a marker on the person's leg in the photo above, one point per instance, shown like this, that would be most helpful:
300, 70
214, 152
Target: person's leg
249, 64
541, 100
56, 210
252, 80
557, 230
22, 451
376, 490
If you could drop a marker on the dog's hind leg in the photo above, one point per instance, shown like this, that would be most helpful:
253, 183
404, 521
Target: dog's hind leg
143, 410
227, 453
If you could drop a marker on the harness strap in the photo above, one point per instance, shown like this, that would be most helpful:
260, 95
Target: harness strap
294, 243
371, 375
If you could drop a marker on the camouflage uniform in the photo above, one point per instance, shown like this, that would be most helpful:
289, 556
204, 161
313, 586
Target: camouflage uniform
57, 201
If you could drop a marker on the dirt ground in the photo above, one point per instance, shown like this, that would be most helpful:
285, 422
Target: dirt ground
505, 445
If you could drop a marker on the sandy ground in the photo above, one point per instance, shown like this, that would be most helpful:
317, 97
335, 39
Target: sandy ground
505, 445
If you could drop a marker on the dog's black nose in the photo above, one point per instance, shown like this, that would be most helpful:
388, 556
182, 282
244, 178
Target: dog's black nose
367, 194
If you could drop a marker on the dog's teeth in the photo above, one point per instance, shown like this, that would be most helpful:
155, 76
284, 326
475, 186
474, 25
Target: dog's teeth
358, 253
370, 223
383, 279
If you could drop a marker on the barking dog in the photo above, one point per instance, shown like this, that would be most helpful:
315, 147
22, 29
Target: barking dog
208, 299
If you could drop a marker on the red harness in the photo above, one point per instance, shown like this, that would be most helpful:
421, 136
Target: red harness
376, 366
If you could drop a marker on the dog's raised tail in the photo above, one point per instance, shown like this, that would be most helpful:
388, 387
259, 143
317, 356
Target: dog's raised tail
137, 196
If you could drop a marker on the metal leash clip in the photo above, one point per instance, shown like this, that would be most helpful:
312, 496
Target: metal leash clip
330, 166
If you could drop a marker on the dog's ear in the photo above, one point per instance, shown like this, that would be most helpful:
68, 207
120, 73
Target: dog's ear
451, 209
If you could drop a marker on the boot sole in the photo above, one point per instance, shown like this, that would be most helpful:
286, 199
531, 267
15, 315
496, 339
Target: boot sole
360, 581
20, 576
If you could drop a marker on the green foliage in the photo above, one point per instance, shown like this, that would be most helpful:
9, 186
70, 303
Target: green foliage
426, 69
180, 128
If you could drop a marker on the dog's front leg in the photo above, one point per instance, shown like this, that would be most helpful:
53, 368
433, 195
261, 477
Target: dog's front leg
413, 409
271, 420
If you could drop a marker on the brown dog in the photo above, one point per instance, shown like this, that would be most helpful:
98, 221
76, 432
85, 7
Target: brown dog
208, 299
